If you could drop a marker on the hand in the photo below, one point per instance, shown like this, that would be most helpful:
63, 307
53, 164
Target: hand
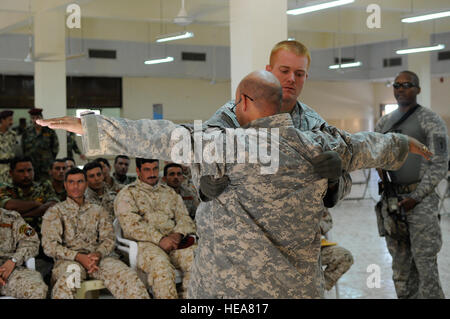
407, 204
95, 259
67, 123
83, 157
328, 165
176, 236
6, 270
168, 243
213, 187
88, 262
416, 147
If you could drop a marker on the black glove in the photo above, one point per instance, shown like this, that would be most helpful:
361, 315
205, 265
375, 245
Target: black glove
328, 165
212, 187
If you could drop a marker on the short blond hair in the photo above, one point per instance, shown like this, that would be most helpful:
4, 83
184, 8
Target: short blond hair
292, 46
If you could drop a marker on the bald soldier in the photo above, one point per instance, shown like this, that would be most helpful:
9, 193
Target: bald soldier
18, 243
79, 236
261, 240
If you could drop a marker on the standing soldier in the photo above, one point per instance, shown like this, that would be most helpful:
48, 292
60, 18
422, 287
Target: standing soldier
411, 227
8, 144
154, 215
72, 146
80, 235
18, 243
41, 144
173, 177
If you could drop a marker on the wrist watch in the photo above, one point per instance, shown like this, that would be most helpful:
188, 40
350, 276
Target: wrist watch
14, 260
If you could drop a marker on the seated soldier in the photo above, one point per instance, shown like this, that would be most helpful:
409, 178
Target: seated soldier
80, 234
337, 260
155, 216
110, 182
121, 164
57, 178
18, 242
97, 192
173, 177
70, 163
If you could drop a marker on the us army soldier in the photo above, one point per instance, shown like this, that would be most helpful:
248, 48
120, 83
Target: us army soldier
79, 234
155, 216
18, 243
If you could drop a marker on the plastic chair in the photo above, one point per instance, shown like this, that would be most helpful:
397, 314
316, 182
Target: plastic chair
30, 264
130, 247
90, 289
441, 190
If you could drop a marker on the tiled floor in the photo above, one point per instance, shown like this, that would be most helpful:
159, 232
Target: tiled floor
355, 228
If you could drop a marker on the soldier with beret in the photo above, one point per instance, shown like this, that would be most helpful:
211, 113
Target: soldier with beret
41, 144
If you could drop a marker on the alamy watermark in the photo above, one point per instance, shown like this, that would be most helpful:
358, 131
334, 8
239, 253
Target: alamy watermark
209, 147
73, 20
374, 279
74, 279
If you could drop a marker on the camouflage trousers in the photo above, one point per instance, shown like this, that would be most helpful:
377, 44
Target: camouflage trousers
414, 261
160, 268
25, 283
338, 261
4, 174
118, 278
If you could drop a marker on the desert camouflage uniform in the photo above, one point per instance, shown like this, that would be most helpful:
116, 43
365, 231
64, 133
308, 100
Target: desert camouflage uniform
146, 214
19, 240
188, 193
115, 187
42, 148
106, 200
8, 142
414, 259
69, 229
40, 192
337, 260
262, 238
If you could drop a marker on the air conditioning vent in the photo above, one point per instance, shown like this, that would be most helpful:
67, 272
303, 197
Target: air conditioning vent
102, 54
390, 62
344, 60
193, 56
445, 55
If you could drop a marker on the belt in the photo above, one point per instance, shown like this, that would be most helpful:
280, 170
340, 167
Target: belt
5, 161
405, 189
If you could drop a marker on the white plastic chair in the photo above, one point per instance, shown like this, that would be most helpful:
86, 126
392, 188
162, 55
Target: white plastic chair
130, 247
30, 264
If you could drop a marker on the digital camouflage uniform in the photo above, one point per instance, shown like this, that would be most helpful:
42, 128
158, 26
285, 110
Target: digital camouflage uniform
414, 260
115, 187
42, 148
262, 237
189, 194
337, 259
39, 192
127, 180
19, 240
146, 214
8, 143
69, 229
106, 200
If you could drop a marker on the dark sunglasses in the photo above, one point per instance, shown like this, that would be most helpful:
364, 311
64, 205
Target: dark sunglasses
405, 85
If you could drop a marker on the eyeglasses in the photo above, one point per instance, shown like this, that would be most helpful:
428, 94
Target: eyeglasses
240, 100
405, 85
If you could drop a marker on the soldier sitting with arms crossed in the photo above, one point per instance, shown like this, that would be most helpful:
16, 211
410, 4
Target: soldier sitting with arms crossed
78, 233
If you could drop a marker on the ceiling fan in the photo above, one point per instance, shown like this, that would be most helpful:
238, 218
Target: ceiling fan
183, 18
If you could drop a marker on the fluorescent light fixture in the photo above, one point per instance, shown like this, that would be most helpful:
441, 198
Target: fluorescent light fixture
317, 7
156, 61
345, 65
421, 49
425, 17
175, 36
389, 108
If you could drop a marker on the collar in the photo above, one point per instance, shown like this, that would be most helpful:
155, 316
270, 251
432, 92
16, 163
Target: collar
148, 187
277, 120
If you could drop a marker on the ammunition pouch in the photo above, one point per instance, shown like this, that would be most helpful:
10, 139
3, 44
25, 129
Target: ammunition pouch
391, 219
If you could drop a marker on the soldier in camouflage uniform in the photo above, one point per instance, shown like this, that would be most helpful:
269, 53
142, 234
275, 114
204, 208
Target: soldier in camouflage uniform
41, 145
97, 192
110, 183
77, 233
262, 239
121, 164
72, 146
18, 243
337, 260
414, 254
8, 144
173, 177
57, 171
154, 215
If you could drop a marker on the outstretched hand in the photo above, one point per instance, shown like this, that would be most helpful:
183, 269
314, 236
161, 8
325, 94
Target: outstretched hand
67, 123
416, 147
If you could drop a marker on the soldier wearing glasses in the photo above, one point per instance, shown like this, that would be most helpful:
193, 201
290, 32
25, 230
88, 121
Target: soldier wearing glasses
414, 250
